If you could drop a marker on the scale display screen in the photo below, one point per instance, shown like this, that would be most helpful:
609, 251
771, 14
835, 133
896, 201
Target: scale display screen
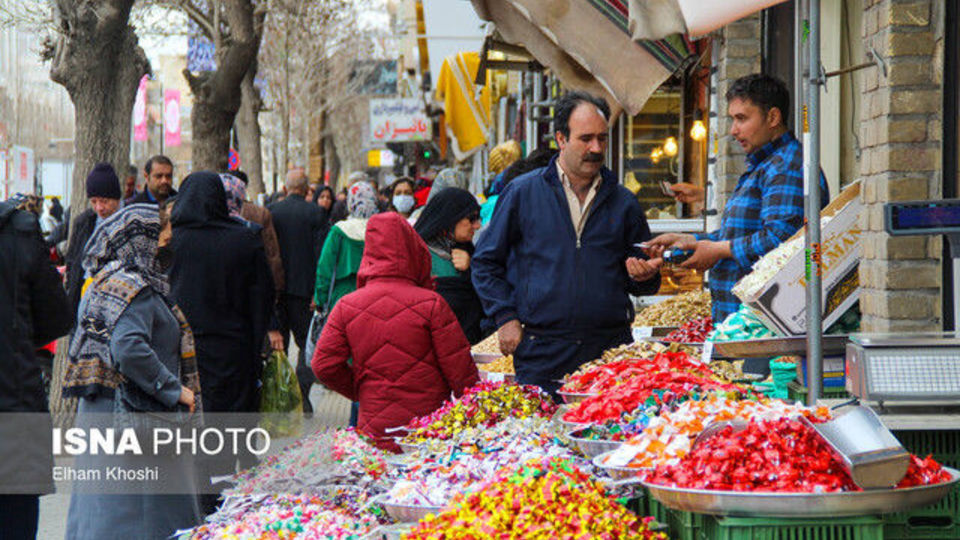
923, 217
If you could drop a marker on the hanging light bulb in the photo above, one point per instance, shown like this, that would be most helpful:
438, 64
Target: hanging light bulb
698, 131
670, 147
656, 154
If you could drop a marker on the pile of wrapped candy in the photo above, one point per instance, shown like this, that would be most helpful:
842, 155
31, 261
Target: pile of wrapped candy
324, 458
695, 331
632, 351
341, 515
433, 480
784, 456
539, 500
669, 437
603, 377
486, 403
670, 377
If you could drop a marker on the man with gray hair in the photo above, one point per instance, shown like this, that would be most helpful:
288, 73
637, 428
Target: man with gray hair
301, 229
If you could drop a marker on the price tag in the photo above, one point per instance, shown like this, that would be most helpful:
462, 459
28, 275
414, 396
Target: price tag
495, 377
641, 332
707, 352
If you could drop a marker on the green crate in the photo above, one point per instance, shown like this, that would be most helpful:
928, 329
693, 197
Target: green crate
941, 520
655, 508
731, 528
685, 525
798, 392
943, 444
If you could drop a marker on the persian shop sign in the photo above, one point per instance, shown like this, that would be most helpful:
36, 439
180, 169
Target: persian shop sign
398, 120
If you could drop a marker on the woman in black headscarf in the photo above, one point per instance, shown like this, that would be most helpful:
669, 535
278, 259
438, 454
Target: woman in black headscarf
447, 225
220, 278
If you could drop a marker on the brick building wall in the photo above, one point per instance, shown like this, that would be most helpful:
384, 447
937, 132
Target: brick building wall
738, 54
900, 132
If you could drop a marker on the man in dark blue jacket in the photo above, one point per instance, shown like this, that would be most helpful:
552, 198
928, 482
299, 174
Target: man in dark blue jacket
558, 262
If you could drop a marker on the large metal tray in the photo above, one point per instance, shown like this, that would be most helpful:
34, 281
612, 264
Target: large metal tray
592, 447
856, 503
833, 345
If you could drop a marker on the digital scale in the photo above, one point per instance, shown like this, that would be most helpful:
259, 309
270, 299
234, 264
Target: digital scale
912, 369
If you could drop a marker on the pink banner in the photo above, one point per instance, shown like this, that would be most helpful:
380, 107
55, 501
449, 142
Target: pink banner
140, 112
171, 117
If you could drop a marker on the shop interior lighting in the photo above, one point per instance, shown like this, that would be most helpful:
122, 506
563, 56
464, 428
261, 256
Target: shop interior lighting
698, 131
670, 147
656, 154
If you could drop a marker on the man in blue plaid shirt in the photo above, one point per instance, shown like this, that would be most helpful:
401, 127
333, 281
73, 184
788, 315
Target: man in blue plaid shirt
766, 208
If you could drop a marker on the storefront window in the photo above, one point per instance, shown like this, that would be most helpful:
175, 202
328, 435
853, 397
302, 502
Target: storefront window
652, 153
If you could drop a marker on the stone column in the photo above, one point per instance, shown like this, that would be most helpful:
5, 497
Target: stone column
900, 132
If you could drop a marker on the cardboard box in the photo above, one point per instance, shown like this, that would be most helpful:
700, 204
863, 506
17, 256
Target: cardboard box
782, 302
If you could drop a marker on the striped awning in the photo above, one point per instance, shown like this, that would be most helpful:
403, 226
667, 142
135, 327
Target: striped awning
588, 45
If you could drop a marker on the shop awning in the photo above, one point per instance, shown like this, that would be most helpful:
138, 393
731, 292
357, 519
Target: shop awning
657, 19
587, 44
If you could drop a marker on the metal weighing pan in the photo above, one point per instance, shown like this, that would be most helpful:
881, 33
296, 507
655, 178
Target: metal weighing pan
590, 447
795, 505
833, 345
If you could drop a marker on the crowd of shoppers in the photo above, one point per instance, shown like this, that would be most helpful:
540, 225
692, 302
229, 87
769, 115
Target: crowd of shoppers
176, 297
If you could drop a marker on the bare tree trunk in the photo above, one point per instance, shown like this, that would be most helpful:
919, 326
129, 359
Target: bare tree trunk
97, 58
248, 132
217, 94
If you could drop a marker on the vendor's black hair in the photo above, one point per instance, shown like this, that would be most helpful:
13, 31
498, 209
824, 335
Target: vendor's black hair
764, 91
570, 101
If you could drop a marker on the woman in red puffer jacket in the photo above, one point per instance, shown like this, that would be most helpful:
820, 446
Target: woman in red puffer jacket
409, 353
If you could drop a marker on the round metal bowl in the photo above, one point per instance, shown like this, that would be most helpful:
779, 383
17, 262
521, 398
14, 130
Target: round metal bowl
618, 473
853, 503
408, 513
573, 397
592, 448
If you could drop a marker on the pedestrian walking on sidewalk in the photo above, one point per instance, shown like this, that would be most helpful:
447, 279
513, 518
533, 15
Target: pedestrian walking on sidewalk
132, 354
408, 352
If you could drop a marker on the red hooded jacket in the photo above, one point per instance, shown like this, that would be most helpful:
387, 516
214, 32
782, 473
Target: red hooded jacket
408, 350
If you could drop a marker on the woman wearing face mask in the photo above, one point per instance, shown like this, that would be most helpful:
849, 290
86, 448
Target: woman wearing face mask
402, 200
447, 225
132, 352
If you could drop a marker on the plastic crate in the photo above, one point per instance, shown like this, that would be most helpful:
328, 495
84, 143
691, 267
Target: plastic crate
941, 520
731, 528
655, 508
797, 392
685, 525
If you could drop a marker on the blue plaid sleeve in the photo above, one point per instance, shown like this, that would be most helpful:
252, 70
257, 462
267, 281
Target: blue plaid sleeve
781, 215
713, 236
